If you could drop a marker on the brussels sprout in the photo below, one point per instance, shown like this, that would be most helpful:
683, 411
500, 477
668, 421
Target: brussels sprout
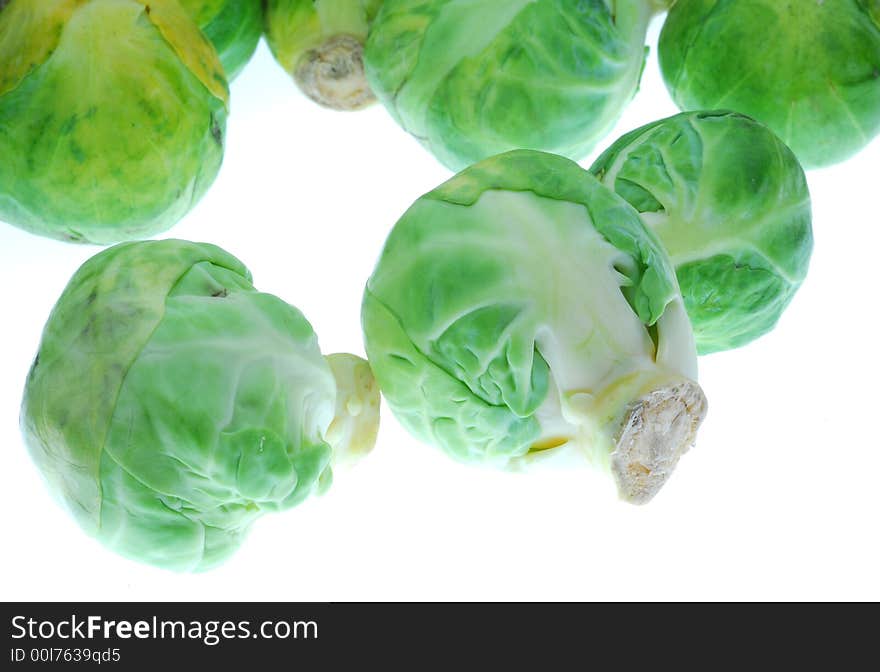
112, 117
171, 404
521, 312
731, 205
321, 44
473, 79
809, 70
233, 26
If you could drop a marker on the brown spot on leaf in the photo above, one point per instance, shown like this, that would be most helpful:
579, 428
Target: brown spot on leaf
217, 132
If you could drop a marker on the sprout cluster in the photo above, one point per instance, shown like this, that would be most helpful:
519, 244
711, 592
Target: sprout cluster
527, 311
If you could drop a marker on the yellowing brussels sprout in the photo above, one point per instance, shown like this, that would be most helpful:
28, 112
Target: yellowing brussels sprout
810, 70
112, 117
321, 44
474, 79
171, 404
522, 312
233, 26
730, 203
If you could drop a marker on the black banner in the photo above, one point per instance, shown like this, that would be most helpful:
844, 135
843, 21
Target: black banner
132, 636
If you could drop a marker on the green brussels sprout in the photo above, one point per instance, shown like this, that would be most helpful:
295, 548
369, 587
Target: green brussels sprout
112, 117
171, 404
522, 313
233, 26
808, 70
474, 79
320, 43
730, 203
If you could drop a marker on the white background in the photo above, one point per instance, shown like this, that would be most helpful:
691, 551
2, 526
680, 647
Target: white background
779, 500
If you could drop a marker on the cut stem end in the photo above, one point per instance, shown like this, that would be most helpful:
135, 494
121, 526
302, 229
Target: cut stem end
333, 74
657, 430
352, 434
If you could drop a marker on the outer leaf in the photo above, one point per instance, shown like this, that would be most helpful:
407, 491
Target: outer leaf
192, 46
29, 33
651, 286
